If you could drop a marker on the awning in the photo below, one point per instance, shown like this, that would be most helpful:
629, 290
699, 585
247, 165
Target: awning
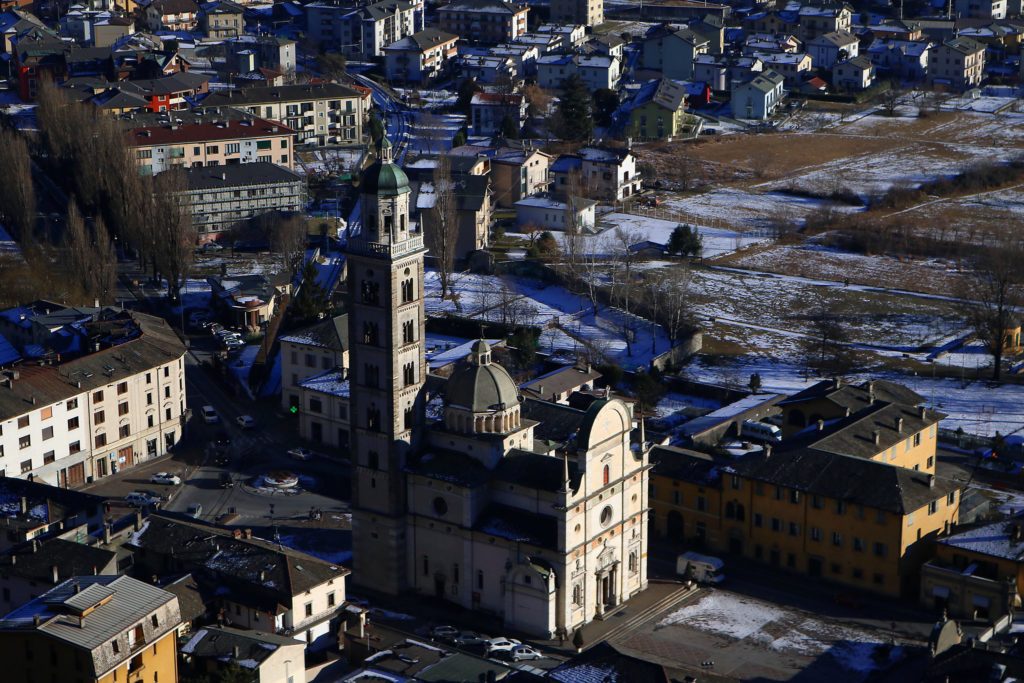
980, 601
940, 591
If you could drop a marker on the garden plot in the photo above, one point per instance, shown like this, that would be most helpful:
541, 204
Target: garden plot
745, 209
808, 260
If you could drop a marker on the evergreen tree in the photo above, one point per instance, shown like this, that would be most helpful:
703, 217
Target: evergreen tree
460, 138
685, 241
463, 104
510, 127
311, 301
574, 119
376, 127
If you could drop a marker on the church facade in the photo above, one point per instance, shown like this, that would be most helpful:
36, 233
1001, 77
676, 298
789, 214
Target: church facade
533, 511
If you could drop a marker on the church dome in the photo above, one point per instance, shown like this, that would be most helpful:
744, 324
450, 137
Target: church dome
479, 385
384, 177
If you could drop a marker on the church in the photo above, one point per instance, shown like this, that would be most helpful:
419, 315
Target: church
532, 511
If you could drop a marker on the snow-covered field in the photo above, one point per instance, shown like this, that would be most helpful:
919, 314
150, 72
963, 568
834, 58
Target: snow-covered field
747, 209
786, 631
717, 240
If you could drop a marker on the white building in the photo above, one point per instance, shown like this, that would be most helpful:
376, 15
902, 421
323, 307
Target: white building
464, 502
829, 48
758, 97
118, 401
324, 409
597, 71
420, 57
554, 214
571, 36
363, 32
311, 351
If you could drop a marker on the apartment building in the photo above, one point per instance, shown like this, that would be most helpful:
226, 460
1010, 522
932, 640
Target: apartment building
586, 12
853, 521
260, 52
484, 21
259, 585
222, 19
325, 113
324, 404
101, 628
211, 136
222, 196
311, 351
608, 174
421, 57
671, 50
828, 17
516, 172
118, 400
36, 511
958, 63
363, 32
597, 71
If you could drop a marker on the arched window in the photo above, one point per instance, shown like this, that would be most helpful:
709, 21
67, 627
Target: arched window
632, 562
730, 510
607, 474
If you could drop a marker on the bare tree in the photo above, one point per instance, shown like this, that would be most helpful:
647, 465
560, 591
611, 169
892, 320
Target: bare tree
442, 227
174, 234
90, 256
891, 99
675, 308
17, 194
825, 346
287, 235
995, 295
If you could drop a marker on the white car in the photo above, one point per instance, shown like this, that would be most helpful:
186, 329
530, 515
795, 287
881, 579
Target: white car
245, 421
165, 478
496, 645
301, 453
209, 415
524, 652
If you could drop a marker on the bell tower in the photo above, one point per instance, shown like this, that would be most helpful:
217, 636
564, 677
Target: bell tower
387, 370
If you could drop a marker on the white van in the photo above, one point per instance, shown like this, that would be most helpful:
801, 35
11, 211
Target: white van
760, 431
703, 568
209, 415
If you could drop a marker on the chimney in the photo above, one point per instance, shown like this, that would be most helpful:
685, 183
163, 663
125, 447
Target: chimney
35, 620
106, 534
874, 437
931, 481
56, 574
138, 520
837, 382
540, 390
846, 412
238, 652
767, 451
821, 425
924, 412
24, 505
899, 424
35, 545
248, 533
263, 576
237, 533
223, 175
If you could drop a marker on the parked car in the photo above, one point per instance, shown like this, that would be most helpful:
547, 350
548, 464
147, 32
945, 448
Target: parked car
524, 652
245, 421
209, 415
139, 499
194, 510
496, 645
165, 478
215, 328
445, 633
470, 638
301, 453
211, 246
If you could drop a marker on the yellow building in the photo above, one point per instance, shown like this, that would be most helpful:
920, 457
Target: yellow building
104, 629
977, 573
877, 420
851, 520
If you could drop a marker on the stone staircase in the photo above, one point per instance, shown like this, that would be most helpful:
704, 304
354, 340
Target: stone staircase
663, 605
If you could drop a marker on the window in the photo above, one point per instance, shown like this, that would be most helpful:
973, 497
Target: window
331, 600
815, 533
98, 417
23, 421
409, 373
817, 502
74, 447
167, 371
794, 496
122, 408
26, 466
677, 497
917, 439
409, 419
124, 431
794, 529
840, 507
232, 148
702, 503
837, 539
72, 403
97, 396
167, 413
910, 519
309, 609
46, 413
735, 482
776, 524
858, 544
880, 549
758, 520
408, 332
72, 423
930, 462
167, 391
122, 388
48, 434
25, 441
606, 475
101, 440
951, 498
933, 507
778, 492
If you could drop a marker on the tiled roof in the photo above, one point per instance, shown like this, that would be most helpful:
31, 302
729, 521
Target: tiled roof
225, 125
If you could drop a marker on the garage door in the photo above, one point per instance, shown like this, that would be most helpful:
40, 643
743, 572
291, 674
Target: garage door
76, 475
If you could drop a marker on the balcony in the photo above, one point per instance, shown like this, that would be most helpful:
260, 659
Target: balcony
385, 250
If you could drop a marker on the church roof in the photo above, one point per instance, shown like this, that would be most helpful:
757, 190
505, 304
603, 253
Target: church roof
537, 471
451, 466
516, 524
557, 422
479, 385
